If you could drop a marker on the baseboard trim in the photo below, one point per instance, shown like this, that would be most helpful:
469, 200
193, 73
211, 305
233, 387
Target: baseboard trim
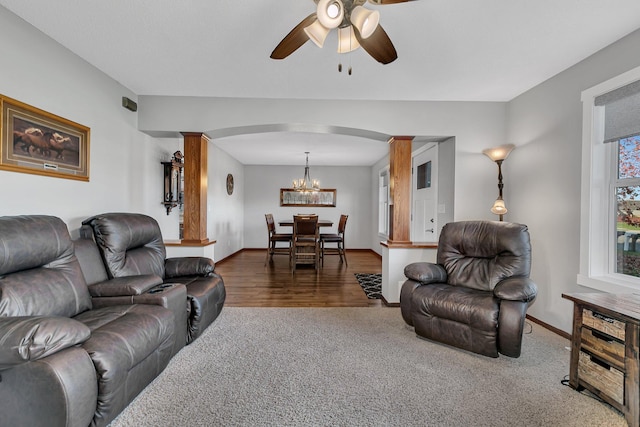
389, 304
220, 261
547, 326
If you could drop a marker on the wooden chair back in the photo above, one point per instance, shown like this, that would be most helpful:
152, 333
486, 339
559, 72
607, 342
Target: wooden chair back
271, 225
342, 224
305, 225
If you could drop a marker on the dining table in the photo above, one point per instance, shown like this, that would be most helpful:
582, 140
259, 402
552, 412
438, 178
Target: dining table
321, 223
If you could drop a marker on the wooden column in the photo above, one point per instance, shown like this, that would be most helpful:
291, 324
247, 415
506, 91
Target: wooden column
400, 189
195, 188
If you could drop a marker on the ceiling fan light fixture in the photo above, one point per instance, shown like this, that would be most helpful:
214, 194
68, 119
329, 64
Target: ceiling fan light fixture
347, 41
365, 20
317, 33
330, 13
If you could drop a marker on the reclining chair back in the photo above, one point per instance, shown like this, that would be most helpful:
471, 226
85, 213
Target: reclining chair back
479, 254
39, 272
131, 244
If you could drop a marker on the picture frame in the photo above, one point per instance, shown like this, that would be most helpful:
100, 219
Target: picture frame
38, 142
323, 198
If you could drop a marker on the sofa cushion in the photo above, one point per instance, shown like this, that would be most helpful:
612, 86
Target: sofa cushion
40, 275
130, 244
478, 309
24, 339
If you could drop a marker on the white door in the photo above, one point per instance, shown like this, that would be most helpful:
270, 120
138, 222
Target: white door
424, 215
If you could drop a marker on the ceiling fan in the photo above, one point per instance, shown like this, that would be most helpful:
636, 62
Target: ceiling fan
357, 26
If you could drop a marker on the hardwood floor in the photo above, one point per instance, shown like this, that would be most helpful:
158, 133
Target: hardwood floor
251, 283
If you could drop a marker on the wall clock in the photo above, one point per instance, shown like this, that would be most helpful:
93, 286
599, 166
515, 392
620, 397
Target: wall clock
229, 184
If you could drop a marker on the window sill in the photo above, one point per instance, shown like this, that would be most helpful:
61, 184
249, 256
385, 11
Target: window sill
612, 284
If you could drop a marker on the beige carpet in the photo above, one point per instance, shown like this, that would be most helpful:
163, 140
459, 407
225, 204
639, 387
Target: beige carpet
357, 367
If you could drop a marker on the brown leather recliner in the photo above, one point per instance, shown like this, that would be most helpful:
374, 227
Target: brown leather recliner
477, 294
131, 244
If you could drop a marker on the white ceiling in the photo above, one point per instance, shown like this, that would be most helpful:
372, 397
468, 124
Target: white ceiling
466, 50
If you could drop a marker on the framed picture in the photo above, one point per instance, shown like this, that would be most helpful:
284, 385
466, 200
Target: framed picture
321, 198
35, 141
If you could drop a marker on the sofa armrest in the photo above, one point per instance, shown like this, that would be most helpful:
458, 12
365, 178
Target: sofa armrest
516, 289
58, 390
24, 339
125, 286
426, 272
188, 266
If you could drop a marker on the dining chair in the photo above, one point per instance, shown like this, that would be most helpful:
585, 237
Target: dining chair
274, 238
306, 241
337, 238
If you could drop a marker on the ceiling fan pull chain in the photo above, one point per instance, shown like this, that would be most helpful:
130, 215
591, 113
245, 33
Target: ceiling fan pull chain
350, 50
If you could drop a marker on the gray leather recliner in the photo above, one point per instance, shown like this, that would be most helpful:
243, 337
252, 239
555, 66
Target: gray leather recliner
131, 244
477, 294
63, 362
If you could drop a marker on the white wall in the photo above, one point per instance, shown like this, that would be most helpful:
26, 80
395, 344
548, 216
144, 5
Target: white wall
125, 170
353, 198
37, 71
543, 173
225, 212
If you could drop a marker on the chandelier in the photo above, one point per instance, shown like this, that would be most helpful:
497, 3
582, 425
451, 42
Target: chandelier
306, 184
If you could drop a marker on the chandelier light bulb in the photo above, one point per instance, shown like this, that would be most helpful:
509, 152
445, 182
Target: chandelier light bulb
333, 10
365, 20
499, 153
317, 33
330, 13
499, 207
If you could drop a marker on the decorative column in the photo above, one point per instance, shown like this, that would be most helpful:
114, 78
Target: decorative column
400, 189
195, 188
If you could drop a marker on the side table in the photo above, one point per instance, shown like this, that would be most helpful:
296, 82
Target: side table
604, 349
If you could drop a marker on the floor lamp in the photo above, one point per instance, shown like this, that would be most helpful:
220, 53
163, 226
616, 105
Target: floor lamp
499, 155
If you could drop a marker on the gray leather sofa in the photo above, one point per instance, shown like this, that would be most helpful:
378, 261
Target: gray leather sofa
131, 245
65, 361
477, 294
139, 289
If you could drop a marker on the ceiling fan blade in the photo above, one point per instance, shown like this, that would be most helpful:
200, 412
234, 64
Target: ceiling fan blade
378, 45
388, 1
292, 41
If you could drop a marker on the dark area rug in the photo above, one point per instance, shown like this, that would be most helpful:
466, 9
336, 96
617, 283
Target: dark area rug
371, 284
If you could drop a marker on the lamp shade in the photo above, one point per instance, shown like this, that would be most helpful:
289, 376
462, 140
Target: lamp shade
330, 13
499, 207
499, 153
347, 40
317, 32
365, 20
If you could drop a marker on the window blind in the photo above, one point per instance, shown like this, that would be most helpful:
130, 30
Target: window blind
622, 112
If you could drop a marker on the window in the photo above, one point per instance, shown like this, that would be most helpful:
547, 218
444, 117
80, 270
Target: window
383, 202
627, 192
610, 195
424, 176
